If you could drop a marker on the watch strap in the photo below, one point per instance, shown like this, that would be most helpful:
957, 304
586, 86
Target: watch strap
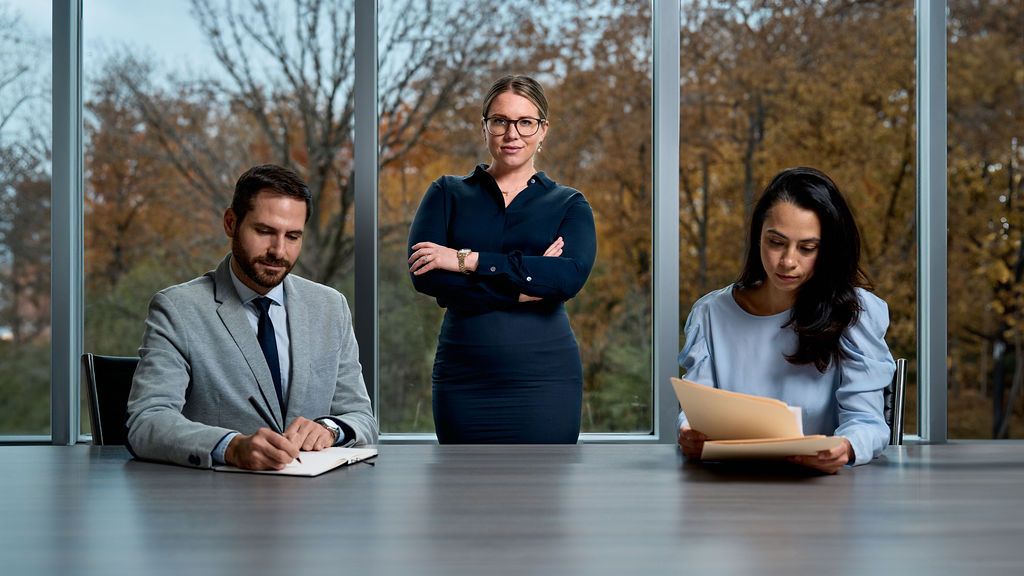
462, 260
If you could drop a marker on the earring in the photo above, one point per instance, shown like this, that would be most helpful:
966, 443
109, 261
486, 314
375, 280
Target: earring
540, 146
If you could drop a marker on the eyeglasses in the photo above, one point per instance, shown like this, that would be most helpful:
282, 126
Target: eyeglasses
525, 126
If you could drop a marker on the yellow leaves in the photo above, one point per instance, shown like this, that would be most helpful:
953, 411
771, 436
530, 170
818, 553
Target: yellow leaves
1000, 273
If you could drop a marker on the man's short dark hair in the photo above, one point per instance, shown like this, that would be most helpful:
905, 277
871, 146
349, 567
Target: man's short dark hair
272, 178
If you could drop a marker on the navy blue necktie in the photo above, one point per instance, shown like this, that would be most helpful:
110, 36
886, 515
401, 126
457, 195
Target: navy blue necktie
268, 342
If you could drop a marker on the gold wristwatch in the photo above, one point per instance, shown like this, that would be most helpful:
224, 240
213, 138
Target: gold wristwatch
462, 260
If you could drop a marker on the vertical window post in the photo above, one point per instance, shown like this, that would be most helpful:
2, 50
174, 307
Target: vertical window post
666, 215
931, 219
365, 144
66, 205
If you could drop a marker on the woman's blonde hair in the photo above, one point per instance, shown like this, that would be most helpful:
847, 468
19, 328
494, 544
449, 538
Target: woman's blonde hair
522, 85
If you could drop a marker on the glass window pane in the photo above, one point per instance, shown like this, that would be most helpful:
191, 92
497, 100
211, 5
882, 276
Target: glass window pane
594, 58
986, 219
176, 109
828, 84
25, 146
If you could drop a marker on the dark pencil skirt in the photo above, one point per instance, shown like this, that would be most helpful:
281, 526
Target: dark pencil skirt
508, 377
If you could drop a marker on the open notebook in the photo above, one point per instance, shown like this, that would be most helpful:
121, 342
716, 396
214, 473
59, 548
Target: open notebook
314, 463
746, 426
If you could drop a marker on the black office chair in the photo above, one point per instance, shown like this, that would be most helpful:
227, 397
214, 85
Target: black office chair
894, 403
109, 379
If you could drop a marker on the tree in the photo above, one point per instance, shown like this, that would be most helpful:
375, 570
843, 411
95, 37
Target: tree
986, 199
24, 230
288, 79
24, 183
765, 85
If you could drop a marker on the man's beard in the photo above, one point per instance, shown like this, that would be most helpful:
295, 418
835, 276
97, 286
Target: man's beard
248, 266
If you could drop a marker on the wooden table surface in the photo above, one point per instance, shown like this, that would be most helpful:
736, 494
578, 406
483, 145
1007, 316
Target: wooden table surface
591, 509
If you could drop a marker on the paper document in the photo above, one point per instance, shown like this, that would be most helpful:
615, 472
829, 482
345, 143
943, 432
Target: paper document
314, 463
798, 414
746, 426
769, 448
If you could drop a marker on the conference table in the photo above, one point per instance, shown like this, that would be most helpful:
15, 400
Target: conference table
585, 509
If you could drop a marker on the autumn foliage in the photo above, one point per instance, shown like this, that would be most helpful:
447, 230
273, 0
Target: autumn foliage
764, 85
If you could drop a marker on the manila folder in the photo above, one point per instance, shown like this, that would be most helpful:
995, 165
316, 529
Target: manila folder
726, 415
769, 447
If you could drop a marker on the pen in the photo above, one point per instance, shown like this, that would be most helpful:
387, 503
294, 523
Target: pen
272, 423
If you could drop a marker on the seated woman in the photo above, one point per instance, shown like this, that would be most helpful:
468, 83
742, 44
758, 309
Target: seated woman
800, 324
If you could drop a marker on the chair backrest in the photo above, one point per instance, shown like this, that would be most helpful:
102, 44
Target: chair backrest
109, 380
894, 403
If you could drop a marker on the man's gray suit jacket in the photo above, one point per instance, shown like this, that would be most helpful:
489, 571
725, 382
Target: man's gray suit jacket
200, 361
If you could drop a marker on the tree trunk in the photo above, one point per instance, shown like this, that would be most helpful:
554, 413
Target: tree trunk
755, 134
702, 251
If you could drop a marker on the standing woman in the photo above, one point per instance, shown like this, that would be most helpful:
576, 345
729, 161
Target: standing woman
799, 325
502, 249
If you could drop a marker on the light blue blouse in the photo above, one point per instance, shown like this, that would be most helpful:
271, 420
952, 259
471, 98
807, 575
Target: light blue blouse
729, 348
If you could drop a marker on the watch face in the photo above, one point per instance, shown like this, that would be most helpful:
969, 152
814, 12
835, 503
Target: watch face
333, 427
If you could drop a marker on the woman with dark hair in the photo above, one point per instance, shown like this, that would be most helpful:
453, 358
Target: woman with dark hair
502, 249
800, 324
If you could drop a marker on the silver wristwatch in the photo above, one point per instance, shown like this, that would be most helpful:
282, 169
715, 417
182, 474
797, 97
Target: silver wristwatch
333, 427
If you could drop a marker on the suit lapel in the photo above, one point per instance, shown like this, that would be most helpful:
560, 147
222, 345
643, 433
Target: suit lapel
232, 313
299, 321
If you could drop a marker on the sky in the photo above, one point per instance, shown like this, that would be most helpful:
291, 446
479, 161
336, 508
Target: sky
160, 30
163, 28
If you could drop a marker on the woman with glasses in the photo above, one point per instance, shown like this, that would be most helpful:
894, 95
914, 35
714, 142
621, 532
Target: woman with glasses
799, 325
502, 249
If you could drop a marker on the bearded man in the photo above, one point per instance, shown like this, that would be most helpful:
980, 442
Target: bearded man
247, 338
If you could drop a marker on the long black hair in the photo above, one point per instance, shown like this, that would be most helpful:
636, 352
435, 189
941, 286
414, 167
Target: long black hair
827, 303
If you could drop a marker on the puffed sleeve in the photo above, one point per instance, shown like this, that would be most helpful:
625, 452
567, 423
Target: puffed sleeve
550, 278
695, 357
866, 369
470, 293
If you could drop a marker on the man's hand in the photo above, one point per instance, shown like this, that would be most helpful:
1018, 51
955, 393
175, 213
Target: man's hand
692, 442
264, 450
828, 461
309, 435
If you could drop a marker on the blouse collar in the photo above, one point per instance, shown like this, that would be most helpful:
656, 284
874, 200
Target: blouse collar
480, 174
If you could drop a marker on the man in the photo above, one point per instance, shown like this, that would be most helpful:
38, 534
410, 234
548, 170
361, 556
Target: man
250, 330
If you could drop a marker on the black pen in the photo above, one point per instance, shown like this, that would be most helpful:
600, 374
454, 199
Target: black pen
272, 423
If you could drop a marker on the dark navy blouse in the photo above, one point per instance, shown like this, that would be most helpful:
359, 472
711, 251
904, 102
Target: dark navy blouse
469, 212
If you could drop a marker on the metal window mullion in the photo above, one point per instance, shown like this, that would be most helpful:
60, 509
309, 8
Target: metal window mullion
666, 215
931, 219
365, 158
66, 205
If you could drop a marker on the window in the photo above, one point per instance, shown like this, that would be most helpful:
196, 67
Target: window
986, 224
171, 119
180, 101
594, 59
771, 86
25, 138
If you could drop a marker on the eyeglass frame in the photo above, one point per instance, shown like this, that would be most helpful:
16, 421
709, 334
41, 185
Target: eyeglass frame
515, 123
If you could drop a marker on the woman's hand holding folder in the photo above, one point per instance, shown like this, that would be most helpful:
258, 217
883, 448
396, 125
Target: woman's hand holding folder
828, 461
692, 442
